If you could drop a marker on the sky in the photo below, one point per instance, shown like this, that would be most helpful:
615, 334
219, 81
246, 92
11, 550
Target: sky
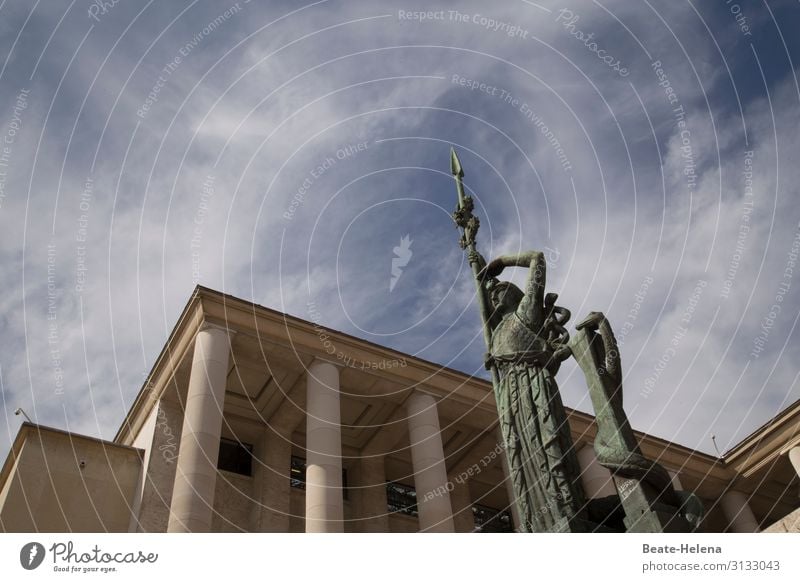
294, 154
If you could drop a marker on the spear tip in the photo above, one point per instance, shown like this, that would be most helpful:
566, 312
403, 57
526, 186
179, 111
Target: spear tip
455, 164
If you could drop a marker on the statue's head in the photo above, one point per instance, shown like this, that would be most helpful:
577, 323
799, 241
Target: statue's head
505, 296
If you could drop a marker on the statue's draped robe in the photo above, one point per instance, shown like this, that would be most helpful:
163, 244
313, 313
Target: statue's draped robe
542, 462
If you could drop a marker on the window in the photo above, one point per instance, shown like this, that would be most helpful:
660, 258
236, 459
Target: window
490, 520
236, 457
297, 473
401, 498
297, 476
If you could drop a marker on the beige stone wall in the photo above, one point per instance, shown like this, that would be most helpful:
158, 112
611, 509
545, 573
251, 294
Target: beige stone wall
143, 441
160, 476
271, 483
49, 491
20, 492
401, 523
297, 508
789, 524
349, 513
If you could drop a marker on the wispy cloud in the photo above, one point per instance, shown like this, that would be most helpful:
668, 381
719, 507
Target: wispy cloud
285, 150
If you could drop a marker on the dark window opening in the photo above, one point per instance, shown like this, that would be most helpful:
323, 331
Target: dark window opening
297, 476
490, 520
236, 457
297, 473
401, 498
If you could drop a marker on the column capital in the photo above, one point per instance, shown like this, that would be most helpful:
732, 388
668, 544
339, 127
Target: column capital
794, 458
675, 476
206, 325
417, 392
733, 491
322, 360
790, 446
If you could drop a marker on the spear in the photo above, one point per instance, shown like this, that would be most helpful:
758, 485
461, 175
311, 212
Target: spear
469, 223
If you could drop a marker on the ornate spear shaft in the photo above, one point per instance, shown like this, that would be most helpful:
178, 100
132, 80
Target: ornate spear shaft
469, 223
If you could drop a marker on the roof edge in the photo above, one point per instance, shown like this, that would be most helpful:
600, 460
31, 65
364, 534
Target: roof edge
140, 403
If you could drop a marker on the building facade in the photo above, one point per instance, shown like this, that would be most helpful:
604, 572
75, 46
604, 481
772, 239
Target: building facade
255, 421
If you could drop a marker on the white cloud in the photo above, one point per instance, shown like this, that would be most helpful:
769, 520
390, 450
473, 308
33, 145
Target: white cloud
615, 229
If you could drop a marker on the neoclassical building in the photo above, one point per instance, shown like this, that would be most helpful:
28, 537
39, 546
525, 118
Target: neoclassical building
255, 421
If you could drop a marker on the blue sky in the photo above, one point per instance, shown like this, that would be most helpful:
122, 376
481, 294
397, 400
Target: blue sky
279, 153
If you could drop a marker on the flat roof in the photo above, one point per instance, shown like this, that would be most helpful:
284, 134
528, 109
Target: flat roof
27, 428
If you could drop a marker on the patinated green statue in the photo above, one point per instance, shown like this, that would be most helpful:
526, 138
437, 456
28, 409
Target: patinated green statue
646, 493
527, 342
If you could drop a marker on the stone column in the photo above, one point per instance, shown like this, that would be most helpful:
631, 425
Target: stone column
512, 496
596, 479
676, 480
370, 490
196, 474
794, 458
461, 500
272, 483
736, 509
324, 512
427, 457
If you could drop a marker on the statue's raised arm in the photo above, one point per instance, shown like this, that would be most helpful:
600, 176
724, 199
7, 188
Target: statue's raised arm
524, 350
529, 305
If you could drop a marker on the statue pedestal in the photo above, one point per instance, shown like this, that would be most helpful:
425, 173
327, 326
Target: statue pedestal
644, 513
578, 525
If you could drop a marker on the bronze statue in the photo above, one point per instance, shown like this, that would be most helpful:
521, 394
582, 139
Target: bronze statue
649, 493
527, 342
